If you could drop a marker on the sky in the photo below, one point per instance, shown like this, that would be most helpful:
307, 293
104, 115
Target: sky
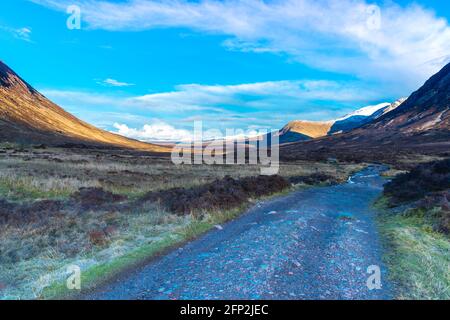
149, 69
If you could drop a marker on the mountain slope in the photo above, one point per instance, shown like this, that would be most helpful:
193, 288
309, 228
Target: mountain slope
426, 109
27, 116
421, 124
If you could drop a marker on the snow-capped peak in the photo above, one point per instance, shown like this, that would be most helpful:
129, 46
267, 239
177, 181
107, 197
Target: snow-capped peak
366, 111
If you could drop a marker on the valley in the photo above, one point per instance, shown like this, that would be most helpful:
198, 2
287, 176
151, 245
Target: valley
118, 208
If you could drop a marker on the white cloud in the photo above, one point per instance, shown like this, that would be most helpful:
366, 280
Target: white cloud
253, 95
406, 45
269, 104
162, 132
154, 132
167, 102
116, 83
23, 34
271, 95
19, 33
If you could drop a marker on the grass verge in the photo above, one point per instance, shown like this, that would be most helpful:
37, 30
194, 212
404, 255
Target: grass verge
418, 257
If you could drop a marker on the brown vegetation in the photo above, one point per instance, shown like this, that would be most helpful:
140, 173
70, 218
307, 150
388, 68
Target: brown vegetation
420, 181
89, 198
437, 205
223, 194
428, 185
314, 179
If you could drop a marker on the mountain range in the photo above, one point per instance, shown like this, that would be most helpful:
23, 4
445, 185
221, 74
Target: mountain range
301, 130
421, 124
26, 116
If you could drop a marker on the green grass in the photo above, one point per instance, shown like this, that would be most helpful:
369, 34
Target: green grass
418, 257
11, 145
24, 189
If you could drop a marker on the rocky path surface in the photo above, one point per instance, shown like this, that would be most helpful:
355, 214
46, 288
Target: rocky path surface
310, 244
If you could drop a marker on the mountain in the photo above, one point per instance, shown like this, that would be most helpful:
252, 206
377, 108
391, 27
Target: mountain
421, 124
300, 130
26, 116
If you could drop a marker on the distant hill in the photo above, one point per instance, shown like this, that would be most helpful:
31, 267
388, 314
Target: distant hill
26, 116
310, 129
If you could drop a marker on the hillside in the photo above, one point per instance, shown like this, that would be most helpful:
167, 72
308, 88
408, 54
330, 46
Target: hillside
426, 109
26, 116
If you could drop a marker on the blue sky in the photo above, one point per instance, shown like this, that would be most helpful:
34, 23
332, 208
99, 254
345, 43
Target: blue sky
149, 68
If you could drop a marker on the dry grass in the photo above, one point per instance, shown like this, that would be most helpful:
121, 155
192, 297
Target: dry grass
35, 255
391, 173
16, 186
35, 174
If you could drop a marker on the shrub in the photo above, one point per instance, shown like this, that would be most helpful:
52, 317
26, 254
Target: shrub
315, 178
421, 180
226, 193
94, 197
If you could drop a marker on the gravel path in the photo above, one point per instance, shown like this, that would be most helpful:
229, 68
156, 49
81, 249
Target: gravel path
311, 244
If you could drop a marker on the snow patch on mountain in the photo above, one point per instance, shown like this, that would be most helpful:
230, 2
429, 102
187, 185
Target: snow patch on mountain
366, 111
